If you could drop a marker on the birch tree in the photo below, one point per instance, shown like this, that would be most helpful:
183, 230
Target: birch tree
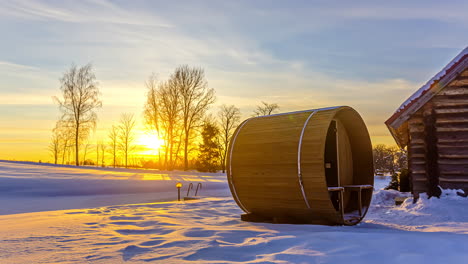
195, 98
79, 102
113, 143
170, 116
103, 148
127, 135
229, 118
152, 110
55, 144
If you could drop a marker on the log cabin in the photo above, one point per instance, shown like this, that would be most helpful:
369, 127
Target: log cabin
432, 125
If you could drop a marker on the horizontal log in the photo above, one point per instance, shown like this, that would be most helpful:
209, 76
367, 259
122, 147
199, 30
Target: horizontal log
415, 120
448, 98
452, 141
452, 146
453, 105
453, 168
452, 122
451, 129
454, 90
461, 77
451, 156
417, 151
416, 141
416, 135
451, 116
418, 168
421, 181
452, 161
417, 160
451, 110
443, 136
416, 129
416, 144
460, 81
448, 179
447, 150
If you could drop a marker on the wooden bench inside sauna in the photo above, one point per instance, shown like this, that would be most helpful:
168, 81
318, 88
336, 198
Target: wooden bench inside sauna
311, 166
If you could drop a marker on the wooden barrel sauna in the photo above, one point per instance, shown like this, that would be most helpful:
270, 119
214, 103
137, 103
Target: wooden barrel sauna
312, 167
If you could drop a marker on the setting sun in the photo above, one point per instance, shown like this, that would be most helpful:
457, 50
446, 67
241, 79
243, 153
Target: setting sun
151, 142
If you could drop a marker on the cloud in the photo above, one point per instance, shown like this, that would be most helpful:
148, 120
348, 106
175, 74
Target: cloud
14, 66
90, 11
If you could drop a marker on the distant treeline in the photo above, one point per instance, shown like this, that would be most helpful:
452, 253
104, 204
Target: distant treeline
389, 159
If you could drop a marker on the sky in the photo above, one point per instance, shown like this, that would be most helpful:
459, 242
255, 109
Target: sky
370, 55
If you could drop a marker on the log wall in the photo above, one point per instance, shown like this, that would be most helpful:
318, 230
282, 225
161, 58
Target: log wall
444, 156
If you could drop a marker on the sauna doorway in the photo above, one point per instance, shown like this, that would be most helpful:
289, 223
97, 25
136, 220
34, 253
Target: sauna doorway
339, 167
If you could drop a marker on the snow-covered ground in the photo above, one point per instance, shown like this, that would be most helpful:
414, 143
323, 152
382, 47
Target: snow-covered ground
32, 187
210, 231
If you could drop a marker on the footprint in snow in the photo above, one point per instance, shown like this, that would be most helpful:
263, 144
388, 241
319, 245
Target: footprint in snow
130, 251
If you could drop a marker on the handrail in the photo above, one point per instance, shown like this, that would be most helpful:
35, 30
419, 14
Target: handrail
188, 189
196, 190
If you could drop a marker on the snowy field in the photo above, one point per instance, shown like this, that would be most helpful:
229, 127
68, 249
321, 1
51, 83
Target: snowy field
142, 230
31, 187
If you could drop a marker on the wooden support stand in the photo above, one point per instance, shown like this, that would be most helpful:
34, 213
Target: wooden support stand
358, 189
255, 218
340, 191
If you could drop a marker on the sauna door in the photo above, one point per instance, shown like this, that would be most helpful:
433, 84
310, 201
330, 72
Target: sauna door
338, 156
345, 156
338, 160
331, 156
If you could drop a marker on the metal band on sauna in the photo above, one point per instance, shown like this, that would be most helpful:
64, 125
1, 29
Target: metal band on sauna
231, 182
299, 172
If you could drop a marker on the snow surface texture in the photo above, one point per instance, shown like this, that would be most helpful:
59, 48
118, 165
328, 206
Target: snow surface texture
32, 187
210, 231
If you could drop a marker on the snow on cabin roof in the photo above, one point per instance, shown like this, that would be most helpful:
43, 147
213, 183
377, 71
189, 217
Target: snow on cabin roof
426, 87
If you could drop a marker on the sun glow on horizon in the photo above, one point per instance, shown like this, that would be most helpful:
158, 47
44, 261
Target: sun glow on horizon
152, 144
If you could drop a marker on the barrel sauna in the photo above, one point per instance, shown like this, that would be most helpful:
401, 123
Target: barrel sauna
311, 167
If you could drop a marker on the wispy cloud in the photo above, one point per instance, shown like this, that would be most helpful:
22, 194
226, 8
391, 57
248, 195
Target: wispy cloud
90, 11
5, 65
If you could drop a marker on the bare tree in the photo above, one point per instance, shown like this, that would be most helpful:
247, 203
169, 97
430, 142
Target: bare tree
113, 143
266, 109
195, 98
127, 135
169, 114
97, 153
152, 109
61, 139
55, 144
66, 149
80, 100
100, 148
229, 118
87, 146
